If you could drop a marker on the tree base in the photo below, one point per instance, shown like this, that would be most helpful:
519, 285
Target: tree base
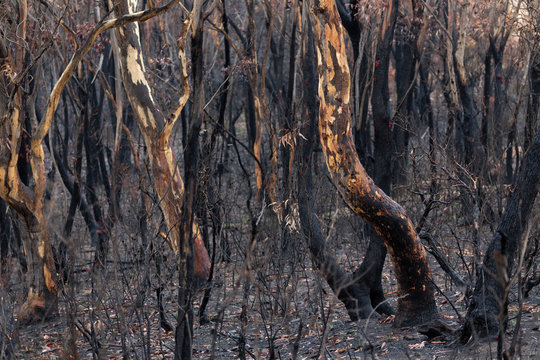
415, 318
360, 312
378, 301
363, 301
37, 307
480, 324
437, 328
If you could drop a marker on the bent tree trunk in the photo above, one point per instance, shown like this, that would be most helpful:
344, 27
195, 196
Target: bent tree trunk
354, 296
156, 130
386, 150
482, 315
369, 275
416, 303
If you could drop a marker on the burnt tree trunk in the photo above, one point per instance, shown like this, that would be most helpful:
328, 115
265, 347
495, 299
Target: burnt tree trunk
26, 200
354, 296
416, 303
255, 102
368, 275
533, 106
482, 315
184, 328
406, 60
488, 101
361, 78
177, 205
370, 271
94, 158
156, 128
380, 97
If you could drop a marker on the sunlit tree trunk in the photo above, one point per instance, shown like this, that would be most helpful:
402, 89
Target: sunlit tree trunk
156, 129
41, 300
184, 235
416, 303
27, 201
353, 294
362, 76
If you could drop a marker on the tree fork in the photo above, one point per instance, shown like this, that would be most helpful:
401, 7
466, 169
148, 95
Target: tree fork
156, 129
416, 302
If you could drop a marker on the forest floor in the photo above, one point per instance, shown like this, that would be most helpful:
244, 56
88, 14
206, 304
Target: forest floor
313, 323
289, 307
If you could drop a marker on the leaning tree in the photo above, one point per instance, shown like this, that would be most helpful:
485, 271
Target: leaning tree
416, 302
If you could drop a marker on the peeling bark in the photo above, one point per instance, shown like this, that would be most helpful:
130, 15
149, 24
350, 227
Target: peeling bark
369, 274
156, 130
27, 201
251, 51
354, 295
416, 303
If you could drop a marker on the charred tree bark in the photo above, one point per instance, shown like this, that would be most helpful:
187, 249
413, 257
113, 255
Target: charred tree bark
416, 303
426, 110
368, 275
385, 150
156, 130
382, 120
5, 237
287, 122
95, 165
361, 77
177, 205
184, 328
487, 104
354, 297
385, 147
533, 106
370, 272
410, 32
10, 239
256, 111
72, 184
494, 100
466, 136
467, 127
208, 149
482, 315
26, 200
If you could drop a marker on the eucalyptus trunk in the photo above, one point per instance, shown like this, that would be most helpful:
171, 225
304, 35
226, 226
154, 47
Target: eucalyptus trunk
416, 303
